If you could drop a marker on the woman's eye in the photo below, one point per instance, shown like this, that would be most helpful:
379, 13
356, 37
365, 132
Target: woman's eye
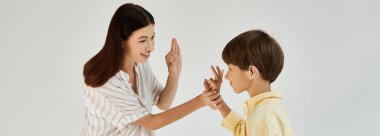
153, 37
142, 41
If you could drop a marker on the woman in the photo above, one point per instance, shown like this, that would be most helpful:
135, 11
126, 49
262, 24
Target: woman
121, 88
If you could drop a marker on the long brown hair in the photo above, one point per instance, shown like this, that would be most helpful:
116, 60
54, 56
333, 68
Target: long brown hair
108, 61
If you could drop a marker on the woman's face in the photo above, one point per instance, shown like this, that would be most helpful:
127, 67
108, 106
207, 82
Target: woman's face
140, 44
238, 78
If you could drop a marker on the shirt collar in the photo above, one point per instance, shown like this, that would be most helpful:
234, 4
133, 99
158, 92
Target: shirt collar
255, 100
124, 75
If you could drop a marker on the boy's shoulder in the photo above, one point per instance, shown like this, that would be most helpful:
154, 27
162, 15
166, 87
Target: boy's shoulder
270, 111
268, 106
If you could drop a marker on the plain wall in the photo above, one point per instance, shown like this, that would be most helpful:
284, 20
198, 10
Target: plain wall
329, 80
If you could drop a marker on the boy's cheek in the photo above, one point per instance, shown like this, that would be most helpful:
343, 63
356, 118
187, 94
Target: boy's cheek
235, 90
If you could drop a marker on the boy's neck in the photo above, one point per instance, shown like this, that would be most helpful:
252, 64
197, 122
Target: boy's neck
258, 87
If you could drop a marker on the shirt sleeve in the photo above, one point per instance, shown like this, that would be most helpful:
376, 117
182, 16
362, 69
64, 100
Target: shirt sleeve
124, 102
157, 88
232, 122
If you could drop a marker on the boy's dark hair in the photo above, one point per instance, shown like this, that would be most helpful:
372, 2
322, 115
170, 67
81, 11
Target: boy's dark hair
255, 48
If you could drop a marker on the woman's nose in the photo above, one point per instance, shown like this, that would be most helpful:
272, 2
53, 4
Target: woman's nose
150, 47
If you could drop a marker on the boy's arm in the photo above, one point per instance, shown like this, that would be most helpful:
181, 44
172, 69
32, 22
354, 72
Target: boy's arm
231, 119
224, 109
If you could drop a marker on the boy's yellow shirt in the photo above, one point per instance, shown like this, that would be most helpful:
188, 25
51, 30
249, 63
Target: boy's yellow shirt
264, 115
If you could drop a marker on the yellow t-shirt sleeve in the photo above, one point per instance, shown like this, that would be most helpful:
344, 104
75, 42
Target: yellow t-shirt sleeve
231, 120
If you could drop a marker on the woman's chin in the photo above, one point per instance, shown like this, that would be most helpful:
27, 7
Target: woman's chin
142, 61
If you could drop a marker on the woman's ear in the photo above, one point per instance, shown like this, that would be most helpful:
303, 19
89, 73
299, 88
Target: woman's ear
253, 73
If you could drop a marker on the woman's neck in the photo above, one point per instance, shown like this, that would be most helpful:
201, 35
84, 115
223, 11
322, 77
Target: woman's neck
128, 65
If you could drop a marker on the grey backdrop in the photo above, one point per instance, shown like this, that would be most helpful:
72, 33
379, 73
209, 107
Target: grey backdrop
330, 79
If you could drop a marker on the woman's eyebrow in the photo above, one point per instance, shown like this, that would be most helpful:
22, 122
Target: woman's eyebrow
143, 37
146, 36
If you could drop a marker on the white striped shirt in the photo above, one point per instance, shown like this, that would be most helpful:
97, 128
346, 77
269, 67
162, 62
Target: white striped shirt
110, 110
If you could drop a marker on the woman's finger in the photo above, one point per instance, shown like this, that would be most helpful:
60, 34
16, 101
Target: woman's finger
175, 56
215, 106
169, 58
178, 49
217, 100
173, 47
214, 96
209, 93
218, 106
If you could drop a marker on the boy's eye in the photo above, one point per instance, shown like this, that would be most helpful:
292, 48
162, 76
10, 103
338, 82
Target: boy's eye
153, 37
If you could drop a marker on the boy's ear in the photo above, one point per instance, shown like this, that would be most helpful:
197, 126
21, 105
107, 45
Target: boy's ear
253, 73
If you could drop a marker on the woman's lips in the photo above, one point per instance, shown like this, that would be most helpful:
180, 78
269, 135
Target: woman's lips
145, 55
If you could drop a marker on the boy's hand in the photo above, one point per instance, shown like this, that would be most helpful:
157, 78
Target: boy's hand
214, 84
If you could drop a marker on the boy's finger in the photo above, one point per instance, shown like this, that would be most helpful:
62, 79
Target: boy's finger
206, 85
220, 74
214, 72
211, 82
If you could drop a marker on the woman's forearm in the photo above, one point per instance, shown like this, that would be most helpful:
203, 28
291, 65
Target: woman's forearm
167, 117
169, 92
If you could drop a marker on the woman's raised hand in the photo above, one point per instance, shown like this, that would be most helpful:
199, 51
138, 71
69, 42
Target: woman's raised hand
174, 58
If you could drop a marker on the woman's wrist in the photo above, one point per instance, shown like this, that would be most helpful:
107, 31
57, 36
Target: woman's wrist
174, 75
199, 100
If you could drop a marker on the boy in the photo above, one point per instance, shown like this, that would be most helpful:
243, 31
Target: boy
254, 61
